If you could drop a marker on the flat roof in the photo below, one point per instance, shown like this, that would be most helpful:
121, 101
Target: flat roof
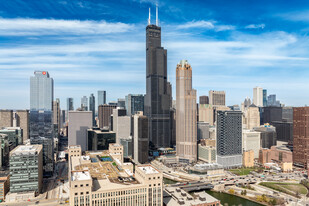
148, 169
24, 149
83, 175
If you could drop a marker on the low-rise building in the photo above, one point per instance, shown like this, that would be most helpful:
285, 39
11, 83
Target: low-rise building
207, 153
4, 185
277, 154
113, 182
75, 151
248, 158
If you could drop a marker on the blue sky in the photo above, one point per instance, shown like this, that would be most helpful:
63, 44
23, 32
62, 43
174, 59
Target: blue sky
100, 45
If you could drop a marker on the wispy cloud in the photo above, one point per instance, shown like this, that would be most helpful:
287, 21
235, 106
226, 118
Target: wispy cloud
255, 26
24, 27
202, 24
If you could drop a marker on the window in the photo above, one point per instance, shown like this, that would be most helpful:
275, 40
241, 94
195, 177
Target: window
87, 185
87, 193
75, 185
81, 185
81, 193
75, 193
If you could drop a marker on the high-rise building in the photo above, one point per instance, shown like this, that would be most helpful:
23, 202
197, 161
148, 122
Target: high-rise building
122, 124
202, 130
217, 98
264, 97
41, 91
204, 100
99, 139
6, 118
186, 123
56, 117
70, 104
121, 102
258, 96
127, 144
4, 150
134, 103
268, 135
272, 101
229, 138
104, 113
23, 121
141, 141
300, 136
251, 141
206, 113
252, 116
79, 123
271, 114
84, 103
101, 97
158, 89
92, 108
26, 163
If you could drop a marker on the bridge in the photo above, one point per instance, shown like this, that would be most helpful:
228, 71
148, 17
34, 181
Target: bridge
193, 186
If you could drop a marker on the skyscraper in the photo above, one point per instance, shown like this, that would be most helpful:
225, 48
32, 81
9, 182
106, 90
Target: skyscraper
104, 114
264, 97
217, 98
229, 138
41, 91
204, 100
134, 103
70, 104
84, 103
56, 117
158, 89
92, 108
186, 136
41, 117
101, 97
258, 96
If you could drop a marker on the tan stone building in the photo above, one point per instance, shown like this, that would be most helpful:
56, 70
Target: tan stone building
186, 127
110, 182
217, 98
252, 117
206, 113
248, 158
6, 118
4, 185
75, 151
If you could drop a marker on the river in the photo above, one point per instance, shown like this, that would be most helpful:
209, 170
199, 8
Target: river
231, 199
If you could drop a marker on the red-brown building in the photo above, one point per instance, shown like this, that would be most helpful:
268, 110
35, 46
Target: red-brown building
300, 136
277, 154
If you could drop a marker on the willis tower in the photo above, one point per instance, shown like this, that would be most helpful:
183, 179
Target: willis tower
158, 90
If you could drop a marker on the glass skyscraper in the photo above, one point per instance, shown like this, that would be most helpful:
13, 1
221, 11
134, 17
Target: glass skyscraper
70, 104
41, 117
134, 103
101, 97
92, 108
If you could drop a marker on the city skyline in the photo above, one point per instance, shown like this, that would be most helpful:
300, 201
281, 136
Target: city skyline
89, 51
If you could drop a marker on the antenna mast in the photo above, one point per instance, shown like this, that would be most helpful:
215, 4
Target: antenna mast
149, 17
157, 18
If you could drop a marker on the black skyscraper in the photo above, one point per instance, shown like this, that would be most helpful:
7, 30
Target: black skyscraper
158, 89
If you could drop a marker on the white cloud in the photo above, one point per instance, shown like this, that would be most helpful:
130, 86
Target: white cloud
25, 27
255, 26
197, 24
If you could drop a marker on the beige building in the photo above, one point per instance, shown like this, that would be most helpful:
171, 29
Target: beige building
22, 121
251, 140
207, 153
6, 118
251, 117
4, 185
206, 113
110, 182
186, 126
217, 98
75, 151
248, 158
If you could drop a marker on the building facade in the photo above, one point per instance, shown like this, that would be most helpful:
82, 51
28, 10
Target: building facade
204, 100
92, 108
101, 97
6, 118
99, 139
158, 90
229, 138
105, 112
134, 103
140, 138
217, 98
186, 122
206, 113
258, 96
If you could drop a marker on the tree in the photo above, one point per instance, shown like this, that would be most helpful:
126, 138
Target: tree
231, 191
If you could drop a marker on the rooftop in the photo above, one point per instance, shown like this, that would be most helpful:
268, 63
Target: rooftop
26, 149
148, 169
83, 175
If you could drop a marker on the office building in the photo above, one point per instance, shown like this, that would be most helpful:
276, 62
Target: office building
300, 136
121, 102
272, 101
158, 90
264, 97
202, 130
287, 114
101, 97
206, 113
258, 96
251, 141
104, 113
122, 124
268, 135
284, 131
74, 151
99, 139
6, 118
84, 103
246, 103
134, 103
217, 98
41, 91
70, 104
79, 123
229, 138
251, 117
127, 144
26, 163
186, 123
277, 154
23, 121
207, 153
271, 114
141, 141
56, 117
97, 185
204, 100
14, 136
5, 150
173, 126
248, 158
92, 109
48, 154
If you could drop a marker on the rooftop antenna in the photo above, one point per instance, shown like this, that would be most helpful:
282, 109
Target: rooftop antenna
157, 19
149, 17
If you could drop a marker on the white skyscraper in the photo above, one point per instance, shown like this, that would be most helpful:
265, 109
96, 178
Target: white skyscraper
258, 96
